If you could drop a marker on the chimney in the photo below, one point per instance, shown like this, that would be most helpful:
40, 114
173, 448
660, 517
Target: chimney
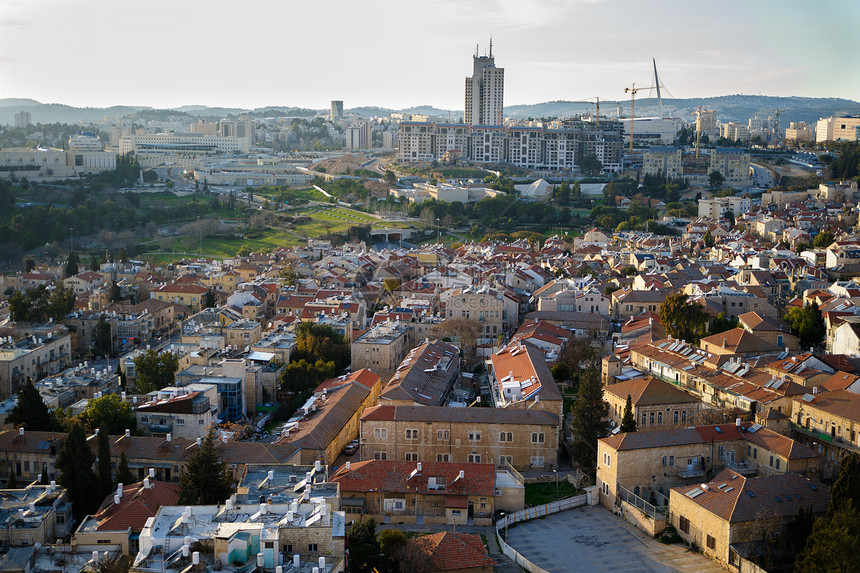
724, 342
151, 473
347, 466
418, 466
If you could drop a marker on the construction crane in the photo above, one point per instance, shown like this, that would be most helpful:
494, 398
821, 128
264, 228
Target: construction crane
777, 112
632, 90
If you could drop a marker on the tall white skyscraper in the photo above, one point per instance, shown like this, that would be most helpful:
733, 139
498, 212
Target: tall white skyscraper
485, 91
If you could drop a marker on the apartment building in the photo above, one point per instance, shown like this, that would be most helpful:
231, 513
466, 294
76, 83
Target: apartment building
733, 164
648, 464
496, 310
717, 207
837, 129
485, 91
425, 377
725, 515
663, 161
186, 415
525, 439
44, 350
656, 404
519, 378
381, 348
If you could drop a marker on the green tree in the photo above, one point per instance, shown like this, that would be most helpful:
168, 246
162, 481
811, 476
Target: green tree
29, 265
110, 414
590, 164
683, 319
12, 480
833, 543
363, 547
102, 337
104, 463
206, 480
115, 292
562, 194
243, 251
390, 177
847, 484
31, 411
392, 543
209, 300
75, 462
715, 179
155, 371
722, 324
709, 239
823, 240
628, 422
72, 264
95, 263
123, 474
561, 372
589, 419
808, 324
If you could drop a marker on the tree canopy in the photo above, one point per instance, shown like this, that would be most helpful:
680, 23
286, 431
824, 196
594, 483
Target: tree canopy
38, 304
31, 411
808, 324
206, 480
363, 547
683, 319
75, 462
628, 422
110, 414
589, 419
155, 370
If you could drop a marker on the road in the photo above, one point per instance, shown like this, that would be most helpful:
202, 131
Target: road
762, 176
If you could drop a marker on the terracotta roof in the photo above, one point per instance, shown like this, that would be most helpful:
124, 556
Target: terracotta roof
741, 342
756, 322
393, 476
527, 365
447, 551
649, 391
840, 403
839, 381
364, 377
736, 499
136, 505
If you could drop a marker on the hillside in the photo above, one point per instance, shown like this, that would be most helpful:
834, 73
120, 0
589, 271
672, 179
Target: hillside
729, 108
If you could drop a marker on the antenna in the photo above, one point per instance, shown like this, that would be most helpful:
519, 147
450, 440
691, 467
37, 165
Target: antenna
491, 45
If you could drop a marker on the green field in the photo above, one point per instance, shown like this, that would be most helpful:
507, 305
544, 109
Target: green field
542, 493
324, 220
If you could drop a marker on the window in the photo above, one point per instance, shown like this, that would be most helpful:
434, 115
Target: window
671, 461
380, 433
312, 548
722, 453
441, 434
380, 455
270, 544
711, 542
777, 463
474, 436
411, 434
749, 450
61, 518
659, 417
537, 461
443, 457
684, 416
651, 418
537, 438
771, 461
755, 453
644, 419
506, 437
180, 421
665, 460
508, 459
607, 460
684, 524
675, 418
474, 458
288, 548
411, 456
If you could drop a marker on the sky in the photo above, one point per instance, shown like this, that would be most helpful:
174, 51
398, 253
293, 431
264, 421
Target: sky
398, 54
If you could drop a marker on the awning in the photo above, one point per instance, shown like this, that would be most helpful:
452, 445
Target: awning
457, 501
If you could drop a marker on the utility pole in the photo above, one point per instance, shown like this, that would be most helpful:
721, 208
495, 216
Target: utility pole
632, 90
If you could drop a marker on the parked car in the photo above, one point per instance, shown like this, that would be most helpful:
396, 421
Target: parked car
351, 448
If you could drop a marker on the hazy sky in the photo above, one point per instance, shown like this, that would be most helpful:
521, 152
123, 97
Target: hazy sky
253, 53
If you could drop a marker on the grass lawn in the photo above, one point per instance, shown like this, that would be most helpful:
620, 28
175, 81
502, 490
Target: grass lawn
542, 493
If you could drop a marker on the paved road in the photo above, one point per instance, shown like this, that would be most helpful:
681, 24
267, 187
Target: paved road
592, 539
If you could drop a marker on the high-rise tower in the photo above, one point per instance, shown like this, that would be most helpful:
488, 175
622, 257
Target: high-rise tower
485, 91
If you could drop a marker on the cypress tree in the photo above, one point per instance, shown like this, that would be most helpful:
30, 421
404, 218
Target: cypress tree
75, 462
31, 411
123, 474
206, 479
105, 480
589, 419
628, 422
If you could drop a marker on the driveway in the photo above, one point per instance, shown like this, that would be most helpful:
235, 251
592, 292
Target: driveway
593, 539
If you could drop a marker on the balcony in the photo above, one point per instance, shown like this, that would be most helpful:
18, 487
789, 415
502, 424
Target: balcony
743, 467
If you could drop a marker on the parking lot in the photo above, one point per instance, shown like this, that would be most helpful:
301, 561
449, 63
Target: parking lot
593, 539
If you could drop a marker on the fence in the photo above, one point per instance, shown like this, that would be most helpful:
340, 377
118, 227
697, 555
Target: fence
532, 513
651, 510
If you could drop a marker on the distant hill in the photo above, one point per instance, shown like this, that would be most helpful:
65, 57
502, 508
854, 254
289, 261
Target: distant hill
729, 108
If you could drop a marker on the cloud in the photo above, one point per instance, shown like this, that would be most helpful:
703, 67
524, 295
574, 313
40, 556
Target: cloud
14, 24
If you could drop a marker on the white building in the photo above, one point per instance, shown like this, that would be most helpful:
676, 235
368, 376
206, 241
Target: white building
85, 141
837, 129
485, 91
181, 144
717, 207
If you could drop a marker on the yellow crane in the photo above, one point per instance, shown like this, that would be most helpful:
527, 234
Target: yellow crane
632, 90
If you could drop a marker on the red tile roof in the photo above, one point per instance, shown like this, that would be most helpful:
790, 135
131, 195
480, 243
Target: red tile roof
447, 551
395, 476
136, 505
